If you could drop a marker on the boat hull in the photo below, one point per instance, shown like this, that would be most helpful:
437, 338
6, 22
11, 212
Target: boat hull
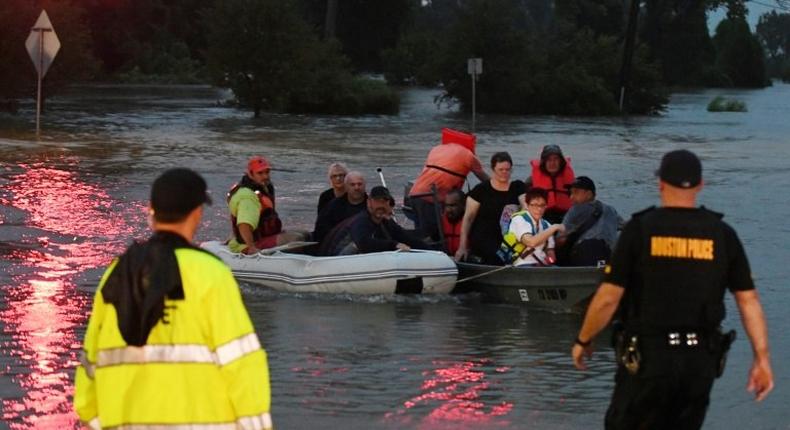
555, 288
415, 272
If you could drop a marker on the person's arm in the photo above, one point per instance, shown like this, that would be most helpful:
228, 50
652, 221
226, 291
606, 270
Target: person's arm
363, 234
477, 169
247, 215
242, 362
85, 396
472, 206
404, 237
245, 230
761, 379
535, 240
599, 313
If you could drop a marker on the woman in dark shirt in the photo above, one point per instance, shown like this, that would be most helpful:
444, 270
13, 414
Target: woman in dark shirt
481, 233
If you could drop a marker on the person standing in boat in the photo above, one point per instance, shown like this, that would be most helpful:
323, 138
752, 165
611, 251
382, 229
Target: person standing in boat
337, 175
254, 219
553, 172
341, 208
169, 343
530, 238
374, 230
481, 233
591, 227
666, 281
446, 167
452, 220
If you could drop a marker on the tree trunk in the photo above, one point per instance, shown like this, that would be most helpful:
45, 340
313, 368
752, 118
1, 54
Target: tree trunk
331, 19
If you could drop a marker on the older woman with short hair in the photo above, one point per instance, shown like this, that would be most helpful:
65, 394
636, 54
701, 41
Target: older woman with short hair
337, 174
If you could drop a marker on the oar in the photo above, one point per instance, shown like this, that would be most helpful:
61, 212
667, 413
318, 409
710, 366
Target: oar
381, 176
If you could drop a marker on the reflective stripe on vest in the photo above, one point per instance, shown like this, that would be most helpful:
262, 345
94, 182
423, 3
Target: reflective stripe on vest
224, 355
256, 422
89, 367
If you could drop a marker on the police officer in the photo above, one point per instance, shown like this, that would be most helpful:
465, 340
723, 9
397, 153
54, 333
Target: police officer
169, 343
667, 279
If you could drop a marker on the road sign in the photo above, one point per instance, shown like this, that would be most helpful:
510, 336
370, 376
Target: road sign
474, 66
42, 44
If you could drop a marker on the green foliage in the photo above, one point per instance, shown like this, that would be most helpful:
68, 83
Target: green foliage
271, 59
677, 34
74, 62
739, 56
773, 31
720, 104
414, 60
167, 64
569, 72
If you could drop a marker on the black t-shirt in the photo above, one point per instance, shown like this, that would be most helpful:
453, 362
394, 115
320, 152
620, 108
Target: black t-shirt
335, 212
675, 264
485, 236
325, 198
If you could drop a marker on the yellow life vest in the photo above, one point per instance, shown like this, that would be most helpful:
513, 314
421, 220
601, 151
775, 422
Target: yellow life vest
203, 367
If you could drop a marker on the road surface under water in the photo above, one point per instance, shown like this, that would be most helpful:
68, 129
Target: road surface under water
75, 198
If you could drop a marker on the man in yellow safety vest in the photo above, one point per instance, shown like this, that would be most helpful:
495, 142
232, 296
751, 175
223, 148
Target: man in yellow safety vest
169, 343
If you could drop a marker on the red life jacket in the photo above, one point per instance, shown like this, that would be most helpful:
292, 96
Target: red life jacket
559, 196
452, 235
268, 223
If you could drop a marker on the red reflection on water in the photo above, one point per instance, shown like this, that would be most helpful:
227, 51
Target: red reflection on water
71, 227
454, 391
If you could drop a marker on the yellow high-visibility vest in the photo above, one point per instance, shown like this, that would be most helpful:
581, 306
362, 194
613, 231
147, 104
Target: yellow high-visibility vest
205, 368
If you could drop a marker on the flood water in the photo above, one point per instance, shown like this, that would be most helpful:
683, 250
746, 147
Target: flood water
75, 198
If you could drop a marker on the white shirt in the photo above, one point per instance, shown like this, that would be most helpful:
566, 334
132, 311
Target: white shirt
521, 226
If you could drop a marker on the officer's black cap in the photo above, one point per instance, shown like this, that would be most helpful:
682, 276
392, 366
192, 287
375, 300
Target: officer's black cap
680, 168
582, 183
176, 192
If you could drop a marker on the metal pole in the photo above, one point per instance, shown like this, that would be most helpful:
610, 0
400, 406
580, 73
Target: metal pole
628, 50
40, 68
474, 101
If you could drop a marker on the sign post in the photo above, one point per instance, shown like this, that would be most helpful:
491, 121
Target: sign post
42, 45
474, 66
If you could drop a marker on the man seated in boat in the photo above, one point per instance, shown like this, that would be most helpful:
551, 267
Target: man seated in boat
373, 230
253, 217
452, 220
530, 238
590, 227
343, 207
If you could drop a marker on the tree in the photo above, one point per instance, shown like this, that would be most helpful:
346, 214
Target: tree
773, 31
271, 59
739, 54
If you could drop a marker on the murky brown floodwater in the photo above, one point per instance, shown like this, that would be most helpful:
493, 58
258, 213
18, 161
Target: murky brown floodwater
70, 202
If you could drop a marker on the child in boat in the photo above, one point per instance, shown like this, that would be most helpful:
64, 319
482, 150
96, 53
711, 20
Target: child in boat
530, 238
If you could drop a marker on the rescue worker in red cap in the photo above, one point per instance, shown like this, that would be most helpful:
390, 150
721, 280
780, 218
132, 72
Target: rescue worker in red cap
254, 219
169, 343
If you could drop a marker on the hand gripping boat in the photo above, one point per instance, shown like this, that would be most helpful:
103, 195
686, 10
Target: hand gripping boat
395, 272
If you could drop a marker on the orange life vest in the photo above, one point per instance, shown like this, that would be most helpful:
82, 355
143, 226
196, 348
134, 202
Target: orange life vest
559, 197
452, 235
269, 222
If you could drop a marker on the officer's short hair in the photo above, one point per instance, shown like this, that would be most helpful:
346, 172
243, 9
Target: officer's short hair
175, 193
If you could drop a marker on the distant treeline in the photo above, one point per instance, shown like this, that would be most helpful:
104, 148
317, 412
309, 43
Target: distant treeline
539, 56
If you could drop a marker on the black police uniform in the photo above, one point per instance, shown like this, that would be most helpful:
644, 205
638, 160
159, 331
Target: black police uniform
675, 265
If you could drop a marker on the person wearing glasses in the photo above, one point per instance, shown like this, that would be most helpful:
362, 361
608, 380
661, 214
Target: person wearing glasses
254, 219
530, 238
337, 175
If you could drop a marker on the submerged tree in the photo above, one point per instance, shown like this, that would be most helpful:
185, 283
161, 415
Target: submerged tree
773, 30
739, 54
266, 53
